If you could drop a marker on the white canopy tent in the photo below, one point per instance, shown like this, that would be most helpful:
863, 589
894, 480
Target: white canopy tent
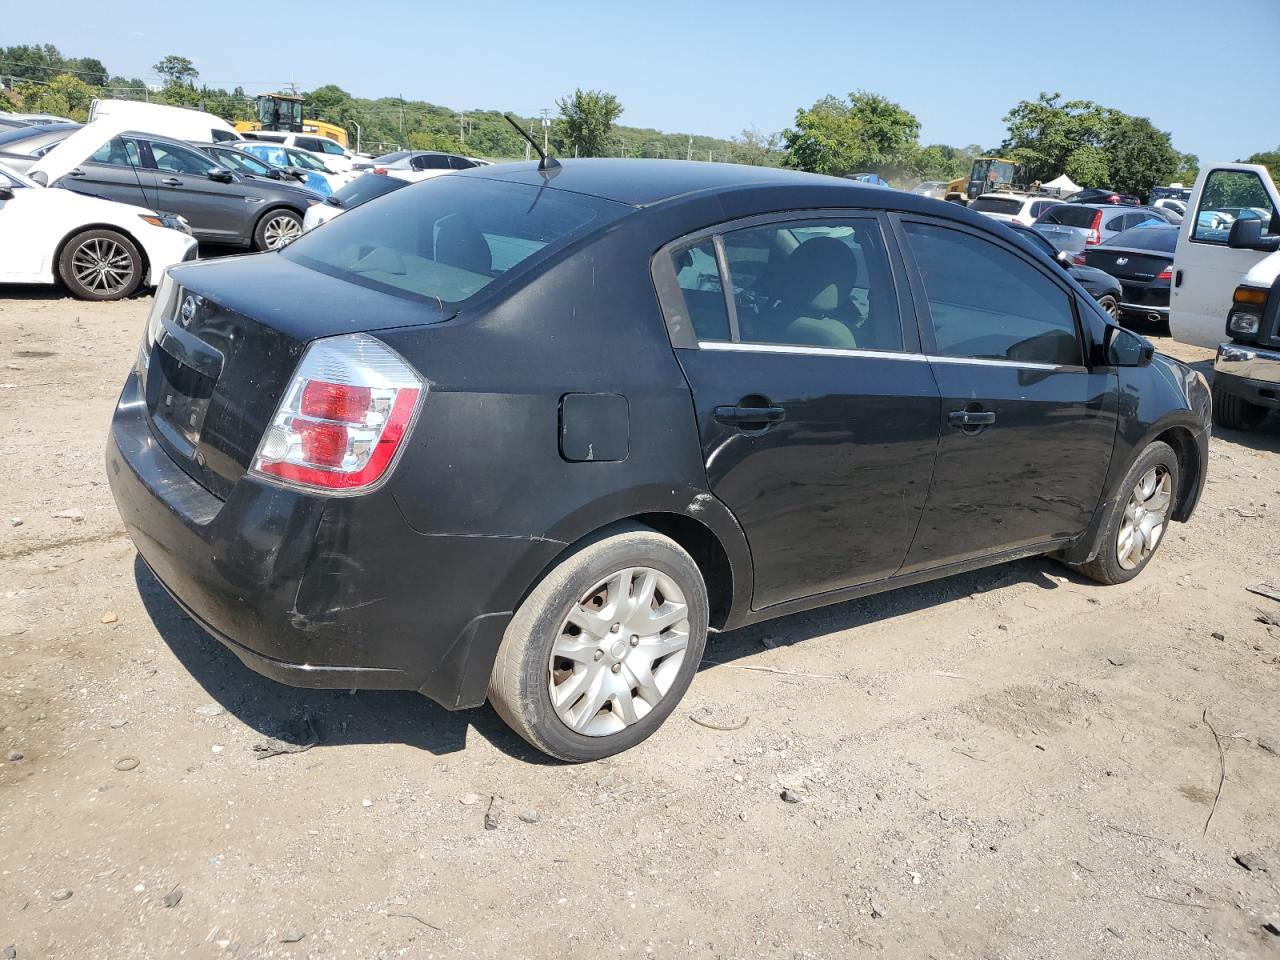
1063, 185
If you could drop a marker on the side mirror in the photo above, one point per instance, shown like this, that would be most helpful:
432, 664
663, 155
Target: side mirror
1122, 348
1246, 234
221, 175
6, 192
274, 174
1064, 258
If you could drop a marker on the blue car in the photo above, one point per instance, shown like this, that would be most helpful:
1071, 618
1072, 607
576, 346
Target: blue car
872, 178
310, 169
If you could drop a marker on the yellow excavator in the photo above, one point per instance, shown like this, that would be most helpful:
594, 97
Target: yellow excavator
987, 174
283, 112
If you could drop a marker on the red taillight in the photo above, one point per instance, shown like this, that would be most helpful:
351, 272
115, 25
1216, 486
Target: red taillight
381, 171
341, 423
1095, 231
1079, 260
1165, 274
335, 401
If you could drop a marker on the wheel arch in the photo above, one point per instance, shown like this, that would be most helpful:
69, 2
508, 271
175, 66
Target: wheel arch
89, 227
1181, 439
275, 207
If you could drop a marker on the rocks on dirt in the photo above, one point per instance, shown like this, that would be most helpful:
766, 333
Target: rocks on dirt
13, 756
1218, 635
877, 909
172, 898
1269, 746
15, 521
790, 796
210, 710
74, 514
468, 799
1251, 862
9, 953
1272, 929
530, 816
110, 617
491, 815
292, 935
126, 763
60, 895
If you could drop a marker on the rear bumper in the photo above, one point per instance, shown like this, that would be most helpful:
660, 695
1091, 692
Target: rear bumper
315, 591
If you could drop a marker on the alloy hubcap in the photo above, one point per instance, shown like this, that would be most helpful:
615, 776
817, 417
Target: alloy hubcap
1145, 516
618, 651
281, 231
103, 266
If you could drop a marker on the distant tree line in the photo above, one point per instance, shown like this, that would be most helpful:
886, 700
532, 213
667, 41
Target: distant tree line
861, 133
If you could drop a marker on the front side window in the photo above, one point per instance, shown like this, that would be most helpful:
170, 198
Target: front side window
1231, 195
816, 283
236, 160
986, 303
118, 152
448, 239
174, 159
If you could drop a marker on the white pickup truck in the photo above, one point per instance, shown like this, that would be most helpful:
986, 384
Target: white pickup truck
1226, 287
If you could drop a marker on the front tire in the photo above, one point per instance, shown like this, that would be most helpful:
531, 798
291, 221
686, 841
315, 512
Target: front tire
1109, 304
604, 647
1137, 520
277, 229
1236, 413
100, 265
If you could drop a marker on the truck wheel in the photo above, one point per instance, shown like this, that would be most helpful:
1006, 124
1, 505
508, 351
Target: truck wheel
100, 265
1138, 517
602, 650
1235, 413
276, 229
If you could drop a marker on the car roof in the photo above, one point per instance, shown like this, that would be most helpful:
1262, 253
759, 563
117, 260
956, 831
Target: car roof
642, 183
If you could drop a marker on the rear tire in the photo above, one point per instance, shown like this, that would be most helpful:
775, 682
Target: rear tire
1236, 413
1138, 518
277, 229
1109, 304
100, 265
583, 633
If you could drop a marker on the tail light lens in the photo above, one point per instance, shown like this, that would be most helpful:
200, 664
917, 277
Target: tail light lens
343, 420
1095, 230
1079, 259
381, 171
1165, 274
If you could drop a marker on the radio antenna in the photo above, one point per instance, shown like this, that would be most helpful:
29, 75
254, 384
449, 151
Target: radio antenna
545, 162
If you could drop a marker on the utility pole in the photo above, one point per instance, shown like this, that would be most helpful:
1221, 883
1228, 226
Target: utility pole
462, 118
690, 156
546, 127
402, 118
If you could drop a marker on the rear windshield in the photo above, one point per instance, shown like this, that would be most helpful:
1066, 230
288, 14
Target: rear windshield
1152, 235
365, 187
1070, 215
449, 237
989, 204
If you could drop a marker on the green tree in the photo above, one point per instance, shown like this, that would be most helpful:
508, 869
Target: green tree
1138, 155
177, 71
1046, 136
64, 95
587, 120
446, 142
1269, 159
31, 62
88, 69
756, 148
865, 133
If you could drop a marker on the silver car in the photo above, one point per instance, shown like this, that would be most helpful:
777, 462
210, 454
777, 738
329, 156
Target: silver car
1073, 226
23, 146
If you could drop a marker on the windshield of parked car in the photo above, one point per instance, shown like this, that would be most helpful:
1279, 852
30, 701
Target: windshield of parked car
365, 188
301, 158
18, 134
449, 238
996, 204
1152, 235
392, 157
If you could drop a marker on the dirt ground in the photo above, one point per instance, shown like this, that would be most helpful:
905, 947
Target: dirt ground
1013, 763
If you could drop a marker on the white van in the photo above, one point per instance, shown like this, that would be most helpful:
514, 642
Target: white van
1206, 270
181, 123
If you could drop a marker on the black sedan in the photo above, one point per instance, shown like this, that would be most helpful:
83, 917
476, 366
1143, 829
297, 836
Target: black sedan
1141, 258
1101, 286
528, 434
221, 206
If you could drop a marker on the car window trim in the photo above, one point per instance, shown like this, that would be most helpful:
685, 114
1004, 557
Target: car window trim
680, 329
925, 316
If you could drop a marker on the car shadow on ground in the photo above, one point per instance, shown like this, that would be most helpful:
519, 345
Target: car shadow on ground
723, 649
296, 716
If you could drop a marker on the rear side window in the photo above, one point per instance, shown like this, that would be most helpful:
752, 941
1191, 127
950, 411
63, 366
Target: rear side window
448, 239
118, 152
814, 283
430, 161
698, 277
1039, 207
987, 304
460, 163
990, 204
223, 136
1070, 215
328, 146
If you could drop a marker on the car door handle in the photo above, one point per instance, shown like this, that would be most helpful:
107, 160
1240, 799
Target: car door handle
77, 172
1177, 278
749, 417
969, 419
171, 182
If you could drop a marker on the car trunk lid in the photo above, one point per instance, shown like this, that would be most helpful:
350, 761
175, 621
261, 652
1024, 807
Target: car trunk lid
232, 336
1140, 266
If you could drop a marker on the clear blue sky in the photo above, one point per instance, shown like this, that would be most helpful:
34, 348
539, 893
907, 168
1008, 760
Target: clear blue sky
716, 67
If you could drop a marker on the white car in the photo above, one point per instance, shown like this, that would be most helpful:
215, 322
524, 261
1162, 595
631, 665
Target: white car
1022, 209
415, 165
101, 250
181, 123
364, 188
336, 157
1206, 270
